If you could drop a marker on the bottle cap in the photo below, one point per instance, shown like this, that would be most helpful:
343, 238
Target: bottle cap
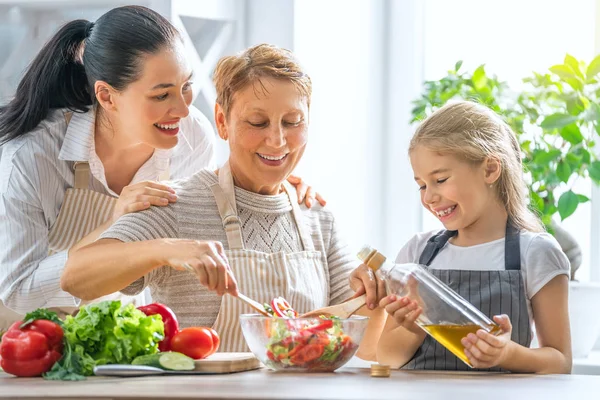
376, 261
365, 253
380, 371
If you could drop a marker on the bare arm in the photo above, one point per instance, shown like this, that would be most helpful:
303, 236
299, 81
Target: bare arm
110, 265
368, 346
398, 345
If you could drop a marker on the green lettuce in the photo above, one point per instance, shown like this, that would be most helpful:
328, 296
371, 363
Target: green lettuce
106, 333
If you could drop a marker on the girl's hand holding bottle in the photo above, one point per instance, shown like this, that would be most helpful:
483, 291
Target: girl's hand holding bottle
485, 350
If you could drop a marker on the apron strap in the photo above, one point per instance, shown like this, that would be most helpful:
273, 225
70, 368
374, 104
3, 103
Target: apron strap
225, 198
307, 242
231, 222
434, 245
512, 247
82, 175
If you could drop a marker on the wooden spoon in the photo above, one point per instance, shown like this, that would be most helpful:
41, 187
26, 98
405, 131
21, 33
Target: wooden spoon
254, 304
342, 310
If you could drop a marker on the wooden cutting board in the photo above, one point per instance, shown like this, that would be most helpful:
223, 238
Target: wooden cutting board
224, 363
218, 363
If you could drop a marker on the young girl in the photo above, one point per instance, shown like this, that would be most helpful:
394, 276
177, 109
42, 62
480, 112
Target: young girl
494, 251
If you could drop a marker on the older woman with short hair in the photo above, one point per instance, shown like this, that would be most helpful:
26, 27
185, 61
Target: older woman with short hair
238, 228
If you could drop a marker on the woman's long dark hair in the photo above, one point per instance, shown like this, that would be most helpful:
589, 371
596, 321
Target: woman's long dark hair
64, 72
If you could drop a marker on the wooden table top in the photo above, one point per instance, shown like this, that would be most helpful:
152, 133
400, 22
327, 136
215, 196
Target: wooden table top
346, 383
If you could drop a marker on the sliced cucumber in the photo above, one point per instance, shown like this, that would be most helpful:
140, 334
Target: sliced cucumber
170, 360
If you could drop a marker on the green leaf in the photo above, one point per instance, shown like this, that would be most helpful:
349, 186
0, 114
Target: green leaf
575, 106
572, 134
575, 83
545, 157
573, 159
479, 79
574, 64
567, 204
457, 66
585, 156
593, 113
583, 199
71, 367
563, 71
563, 170
597, 128
537, 201
594, 171
557, 120
594, 68
40, 313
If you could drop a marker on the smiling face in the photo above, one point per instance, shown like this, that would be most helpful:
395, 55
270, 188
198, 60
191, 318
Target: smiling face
148, 111
267, 130
455, 191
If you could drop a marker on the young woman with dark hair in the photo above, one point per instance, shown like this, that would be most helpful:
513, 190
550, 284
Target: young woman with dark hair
102, 114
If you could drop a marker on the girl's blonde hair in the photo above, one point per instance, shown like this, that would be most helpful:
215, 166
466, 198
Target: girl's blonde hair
473, 132
235, 73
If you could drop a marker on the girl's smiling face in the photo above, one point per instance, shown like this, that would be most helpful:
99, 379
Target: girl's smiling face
455, 191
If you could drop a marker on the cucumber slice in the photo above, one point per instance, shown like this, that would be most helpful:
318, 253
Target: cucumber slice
170, 360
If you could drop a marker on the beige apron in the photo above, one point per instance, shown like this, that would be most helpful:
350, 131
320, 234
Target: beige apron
300, 277
82, 211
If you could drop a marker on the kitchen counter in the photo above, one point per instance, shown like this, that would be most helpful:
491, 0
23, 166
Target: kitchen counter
346, 383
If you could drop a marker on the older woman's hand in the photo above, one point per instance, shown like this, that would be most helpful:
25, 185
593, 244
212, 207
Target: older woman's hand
363, 280
207, 260
305, 192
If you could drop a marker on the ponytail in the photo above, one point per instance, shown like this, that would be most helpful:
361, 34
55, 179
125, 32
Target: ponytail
65, 71
55, 79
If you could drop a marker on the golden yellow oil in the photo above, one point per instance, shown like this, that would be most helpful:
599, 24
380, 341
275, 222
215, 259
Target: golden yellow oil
451, 335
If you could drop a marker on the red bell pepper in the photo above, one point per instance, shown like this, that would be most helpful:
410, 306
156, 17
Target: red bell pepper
32, 349
169, 320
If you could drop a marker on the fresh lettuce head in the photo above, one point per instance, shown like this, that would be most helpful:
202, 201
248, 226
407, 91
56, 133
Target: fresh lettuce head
106, 333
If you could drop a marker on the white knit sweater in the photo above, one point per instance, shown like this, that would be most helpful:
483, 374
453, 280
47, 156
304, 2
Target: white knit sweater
267, 225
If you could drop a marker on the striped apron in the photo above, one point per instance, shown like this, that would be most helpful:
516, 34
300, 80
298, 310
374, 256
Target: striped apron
492, 292
82, 211
299, 277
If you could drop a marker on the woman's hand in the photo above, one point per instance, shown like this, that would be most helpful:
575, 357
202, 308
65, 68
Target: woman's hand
305, 192
363, 280
141, 196
485, 350
204, 258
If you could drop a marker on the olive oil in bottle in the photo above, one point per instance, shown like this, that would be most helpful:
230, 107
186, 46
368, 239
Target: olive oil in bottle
446, 316
450, 337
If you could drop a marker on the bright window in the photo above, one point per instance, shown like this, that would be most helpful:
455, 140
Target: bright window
512, 38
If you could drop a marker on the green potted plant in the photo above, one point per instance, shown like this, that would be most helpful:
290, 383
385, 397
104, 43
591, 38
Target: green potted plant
556, 116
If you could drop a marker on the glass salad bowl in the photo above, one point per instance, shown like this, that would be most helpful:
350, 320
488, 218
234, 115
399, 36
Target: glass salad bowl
303, 344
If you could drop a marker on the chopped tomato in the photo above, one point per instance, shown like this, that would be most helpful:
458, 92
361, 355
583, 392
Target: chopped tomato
322, 339
307, 353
